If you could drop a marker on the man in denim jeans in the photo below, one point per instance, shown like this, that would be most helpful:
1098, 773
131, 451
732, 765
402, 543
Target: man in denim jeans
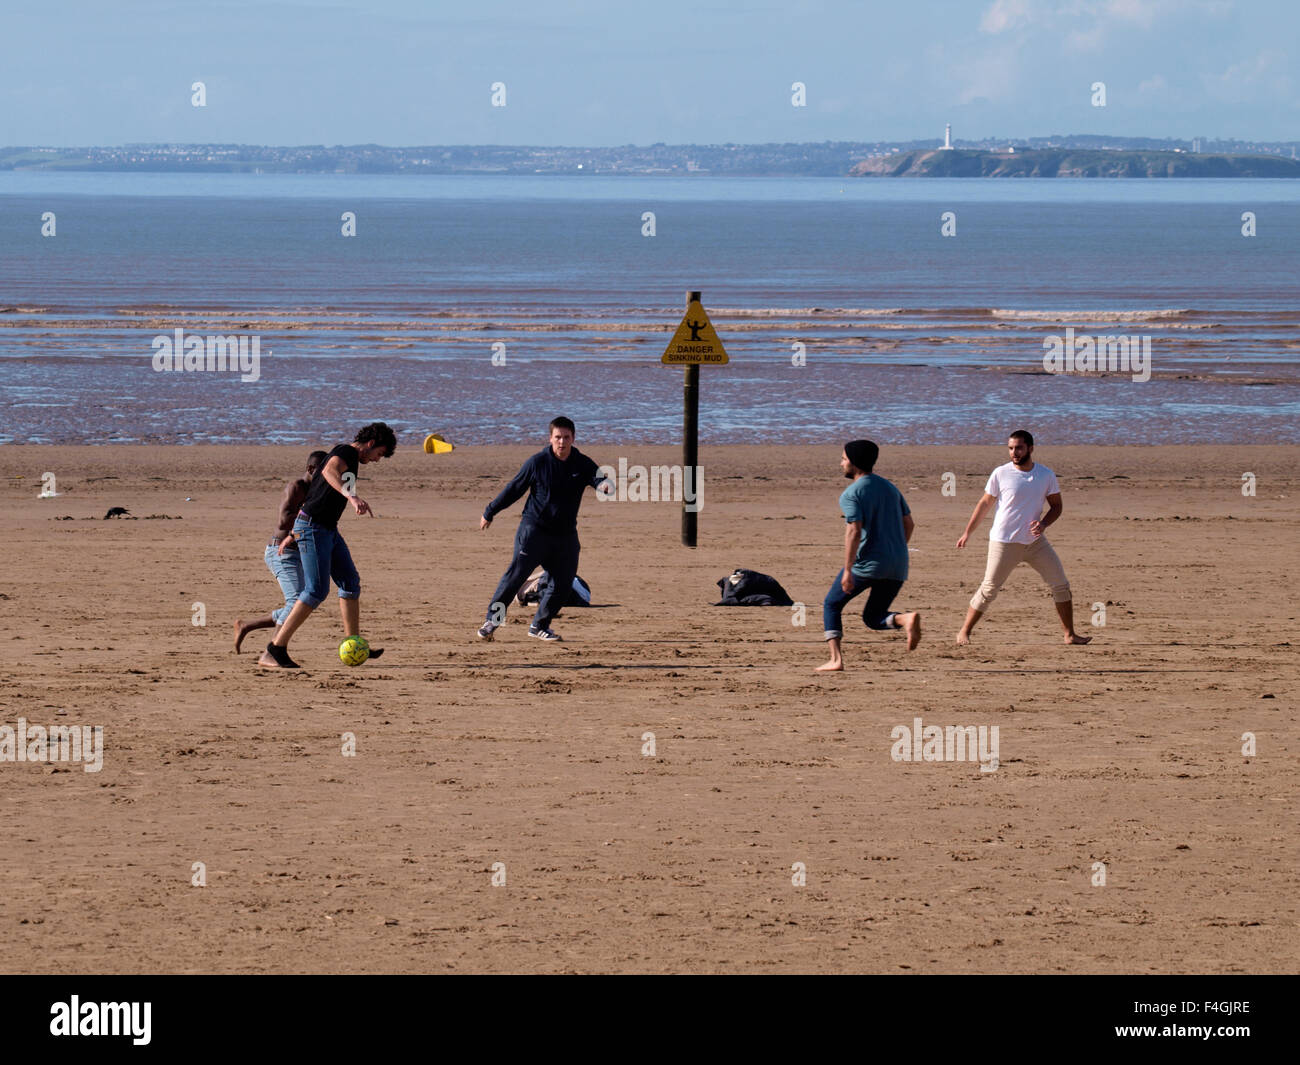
878, 525
321, 546
281, 555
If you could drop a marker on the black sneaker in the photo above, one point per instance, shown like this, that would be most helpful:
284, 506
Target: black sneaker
485, 633
544, 634
279, 657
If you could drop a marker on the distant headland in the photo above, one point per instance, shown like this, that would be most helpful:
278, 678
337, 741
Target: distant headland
1073, 163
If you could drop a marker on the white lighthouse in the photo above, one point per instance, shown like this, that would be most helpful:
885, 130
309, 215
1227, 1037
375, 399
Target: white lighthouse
947, 137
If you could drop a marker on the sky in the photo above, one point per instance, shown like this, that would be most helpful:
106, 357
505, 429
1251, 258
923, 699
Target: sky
601, 72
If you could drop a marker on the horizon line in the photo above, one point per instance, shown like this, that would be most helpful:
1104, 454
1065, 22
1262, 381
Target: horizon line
1015, 141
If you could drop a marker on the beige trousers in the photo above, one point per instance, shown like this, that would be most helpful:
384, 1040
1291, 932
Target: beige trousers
1003, 558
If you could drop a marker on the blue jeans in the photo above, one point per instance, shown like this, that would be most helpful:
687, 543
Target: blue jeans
875, 615
287, 569
325, 556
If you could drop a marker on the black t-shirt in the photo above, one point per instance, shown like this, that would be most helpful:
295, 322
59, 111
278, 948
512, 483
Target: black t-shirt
324, 504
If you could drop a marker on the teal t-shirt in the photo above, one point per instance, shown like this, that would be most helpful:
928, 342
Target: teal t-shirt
882, 551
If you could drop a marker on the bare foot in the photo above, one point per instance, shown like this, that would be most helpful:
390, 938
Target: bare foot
833, 666
963, 638
912, 626
1074, 637
243, 628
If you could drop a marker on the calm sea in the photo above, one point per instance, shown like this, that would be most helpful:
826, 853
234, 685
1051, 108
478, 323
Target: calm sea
482, 306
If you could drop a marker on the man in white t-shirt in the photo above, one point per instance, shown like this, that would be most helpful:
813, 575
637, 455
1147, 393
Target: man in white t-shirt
1019, 490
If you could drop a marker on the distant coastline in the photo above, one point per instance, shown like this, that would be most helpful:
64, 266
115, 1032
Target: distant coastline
1074, 163
1072, 156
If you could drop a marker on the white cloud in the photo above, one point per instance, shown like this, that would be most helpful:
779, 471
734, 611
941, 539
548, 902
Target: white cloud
1264, 74
1086, 40
1086, 24
1142, 12
1003, 15
991, 75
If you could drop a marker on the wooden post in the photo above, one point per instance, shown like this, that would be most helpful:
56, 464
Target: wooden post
690, 437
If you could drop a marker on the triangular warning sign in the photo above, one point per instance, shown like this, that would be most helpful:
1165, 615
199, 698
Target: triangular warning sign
695, 339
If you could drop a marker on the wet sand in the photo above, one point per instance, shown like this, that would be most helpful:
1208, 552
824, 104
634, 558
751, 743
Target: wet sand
916, 375
1127, 752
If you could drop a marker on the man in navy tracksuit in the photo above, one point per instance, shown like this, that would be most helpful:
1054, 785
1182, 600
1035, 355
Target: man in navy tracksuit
554, 479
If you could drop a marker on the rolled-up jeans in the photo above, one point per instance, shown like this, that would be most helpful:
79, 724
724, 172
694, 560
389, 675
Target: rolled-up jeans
287, 569
325, 557
1004, 557
875, 615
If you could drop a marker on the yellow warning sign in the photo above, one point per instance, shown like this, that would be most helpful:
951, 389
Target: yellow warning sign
695, 340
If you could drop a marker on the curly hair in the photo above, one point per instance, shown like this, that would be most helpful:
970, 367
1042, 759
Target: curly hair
380, 433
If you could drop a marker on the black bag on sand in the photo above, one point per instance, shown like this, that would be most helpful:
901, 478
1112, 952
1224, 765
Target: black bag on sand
531, 592
746, 587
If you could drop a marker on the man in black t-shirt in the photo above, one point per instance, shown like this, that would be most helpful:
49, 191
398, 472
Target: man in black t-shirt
281, 555
321, 547
555, 479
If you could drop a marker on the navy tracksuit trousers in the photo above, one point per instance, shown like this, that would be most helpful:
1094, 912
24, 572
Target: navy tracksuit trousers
557, 553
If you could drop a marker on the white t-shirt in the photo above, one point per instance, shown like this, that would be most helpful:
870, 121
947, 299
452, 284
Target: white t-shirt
1021, 498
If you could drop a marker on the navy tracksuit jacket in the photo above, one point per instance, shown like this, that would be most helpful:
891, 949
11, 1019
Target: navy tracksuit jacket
548, 530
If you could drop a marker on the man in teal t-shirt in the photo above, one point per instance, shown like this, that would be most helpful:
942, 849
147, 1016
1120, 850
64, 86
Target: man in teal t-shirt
878, 525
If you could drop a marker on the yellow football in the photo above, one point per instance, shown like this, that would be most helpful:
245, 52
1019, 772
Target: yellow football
354, 650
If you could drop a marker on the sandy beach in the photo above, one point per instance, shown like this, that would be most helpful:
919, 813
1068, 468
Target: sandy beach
1127, 752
